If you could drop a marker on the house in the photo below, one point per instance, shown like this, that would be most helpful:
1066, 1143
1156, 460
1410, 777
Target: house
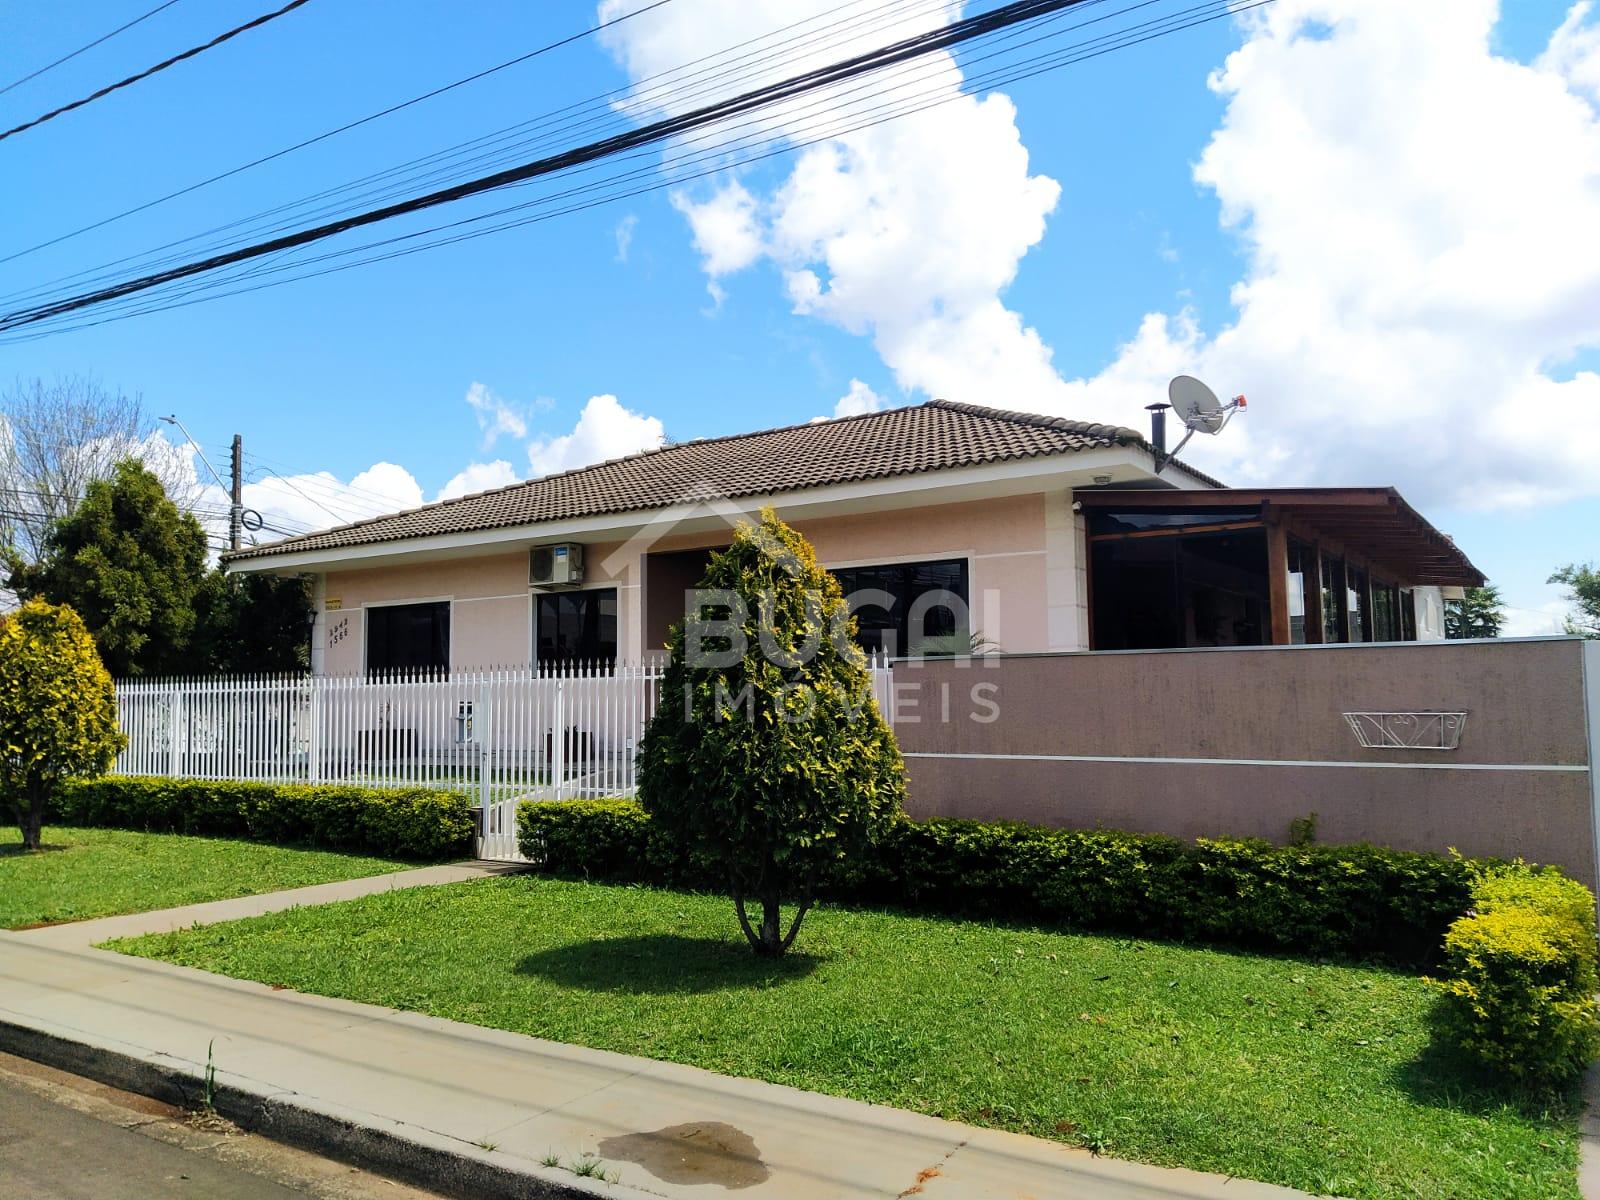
954, 523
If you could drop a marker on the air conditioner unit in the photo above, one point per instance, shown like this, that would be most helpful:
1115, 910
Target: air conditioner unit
559, 565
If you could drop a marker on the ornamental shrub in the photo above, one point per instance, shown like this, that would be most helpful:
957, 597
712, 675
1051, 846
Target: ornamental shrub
419, 823
767, 755
58, 710
1519, 976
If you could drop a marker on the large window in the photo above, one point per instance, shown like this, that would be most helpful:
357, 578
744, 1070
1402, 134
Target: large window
1178, 588
1333, 599
408, 637
576, 626
1302, 577
1385, 612
910, 608
1357, 614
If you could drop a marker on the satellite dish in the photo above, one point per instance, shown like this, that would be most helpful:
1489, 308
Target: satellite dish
1197, 405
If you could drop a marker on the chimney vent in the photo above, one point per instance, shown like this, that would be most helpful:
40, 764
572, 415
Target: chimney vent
1158, 428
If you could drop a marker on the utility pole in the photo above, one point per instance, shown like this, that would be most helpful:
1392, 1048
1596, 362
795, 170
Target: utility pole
236, 506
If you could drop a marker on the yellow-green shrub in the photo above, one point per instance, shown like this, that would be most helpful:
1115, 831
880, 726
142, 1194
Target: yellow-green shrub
1519, 976
58, 709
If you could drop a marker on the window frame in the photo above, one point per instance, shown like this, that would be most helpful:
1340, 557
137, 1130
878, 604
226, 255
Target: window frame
371, 606
558, 594
963, 559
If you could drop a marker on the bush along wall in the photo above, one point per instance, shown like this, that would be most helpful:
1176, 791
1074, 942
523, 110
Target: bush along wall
1519, 975
1347, 900
420, 823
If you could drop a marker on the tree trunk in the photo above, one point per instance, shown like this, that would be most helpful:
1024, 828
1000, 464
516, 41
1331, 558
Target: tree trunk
32, 823
769, 941
771, 914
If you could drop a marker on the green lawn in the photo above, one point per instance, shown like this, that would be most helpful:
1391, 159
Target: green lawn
84, 873
1302, 1073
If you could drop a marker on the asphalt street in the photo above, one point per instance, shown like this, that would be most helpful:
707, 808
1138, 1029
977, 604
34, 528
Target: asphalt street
51, 1152
63, 1137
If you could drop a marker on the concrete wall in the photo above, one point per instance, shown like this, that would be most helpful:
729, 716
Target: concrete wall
1025, 594
1242, 741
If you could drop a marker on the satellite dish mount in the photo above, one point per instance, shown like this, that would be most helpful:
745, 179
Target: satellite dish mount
1197, 407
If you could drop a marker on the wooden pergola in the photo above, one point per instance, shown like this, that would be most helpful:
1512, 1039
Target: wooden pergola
1373, 530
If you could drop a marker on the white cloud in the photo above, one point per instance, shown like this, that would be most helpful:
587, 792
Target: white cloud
604, 430
624, 235
1548, 618
478, 477
1411, 208
1574, 50
496, 417
320, 499
907, 231
724, 226
1413, 211
858, 400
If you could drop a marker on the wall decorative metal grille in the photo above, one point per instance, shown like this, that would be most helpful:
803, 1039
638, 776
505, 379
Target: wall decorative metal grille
1407, 730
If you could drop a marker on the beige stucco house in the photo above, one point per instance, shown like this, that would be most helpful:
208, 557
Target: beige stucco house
954, 523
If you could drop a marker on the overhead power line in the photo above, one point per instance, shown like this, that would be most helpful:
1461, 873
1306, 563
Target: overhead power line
1014, 13
90, 46
325, 135
669, 88
321, 480
693, 157
149, 71
255, 276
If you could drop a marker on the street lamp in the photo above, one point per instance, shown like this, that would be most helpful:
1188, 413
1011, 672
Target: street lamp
235, 506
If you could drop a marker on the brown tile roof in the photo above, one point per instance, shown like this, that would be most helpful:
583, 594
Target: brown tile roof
901, 441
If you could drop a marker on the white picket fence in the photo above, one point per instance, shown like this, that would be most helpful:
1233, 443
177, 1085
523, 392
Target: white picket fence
501, 735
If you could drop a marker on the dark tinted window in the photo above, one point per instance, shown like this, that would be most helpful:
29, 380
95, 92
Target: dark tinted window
1385, 612
1193, 589
889, 600
408, 637
1356, 605
579, 626
1101, 522
1333, 599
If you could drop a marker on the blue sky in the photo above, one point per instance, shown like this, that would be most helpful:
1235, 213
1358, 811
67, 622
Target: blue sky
375, 365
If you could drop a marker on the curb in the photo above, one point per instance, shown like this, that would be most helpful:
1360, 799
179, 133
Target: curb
1589, 1136
407, 1153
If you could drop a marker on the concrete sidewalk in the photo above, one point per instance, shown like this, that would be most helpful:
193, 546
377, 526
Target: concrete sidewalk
476, 1110
103, 929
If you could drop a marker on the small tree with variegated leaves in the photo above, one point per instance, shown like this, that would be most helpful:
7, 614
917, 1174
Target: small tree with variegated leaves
767, 753
58, 709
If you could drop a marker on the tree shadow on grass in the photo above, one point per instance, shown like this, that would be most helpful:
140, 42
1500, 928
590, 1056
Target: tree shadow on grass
1442, 1076
15, 850
664, 963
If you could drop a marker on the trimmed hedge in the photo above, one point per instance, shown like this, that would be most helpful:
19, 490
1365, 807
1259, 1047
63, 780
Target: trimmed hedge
1519, 976
1348, 900
420, 823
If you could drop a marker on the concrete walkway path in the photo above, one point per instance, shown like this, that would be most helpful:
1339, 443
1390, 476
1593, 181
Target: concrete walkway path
103, 929
478, 1110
